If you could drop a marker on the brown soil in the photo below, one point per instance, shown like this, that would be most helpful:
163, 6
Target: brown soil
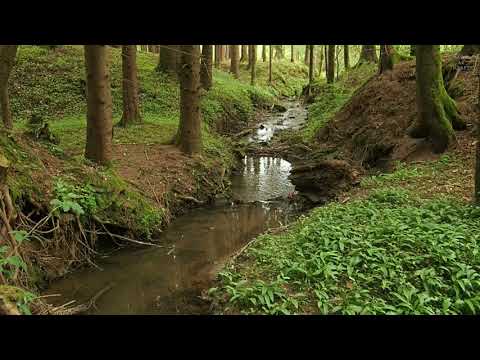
371, 129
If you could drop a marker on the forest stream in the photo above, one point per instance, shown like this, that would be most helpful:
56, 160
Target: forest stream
170, 278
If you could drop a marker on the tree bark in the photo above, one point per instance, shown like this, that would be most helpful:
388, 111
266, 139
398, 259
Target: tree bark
206, 69
310, 65
270, 65
234, 61
99, 105
292, 56
244, 55
131, 107
7, 60
253, 64
437, 111
189, 133
386, 58
218, 56
320, 59
264, 53
368, 54
252, 53
477, 157
168, 59
325, 50
307, 54
469, 50
346, 57
331, 64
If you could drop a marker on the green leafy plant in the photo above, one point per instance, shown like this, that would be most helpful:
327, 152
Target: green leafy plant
74, 199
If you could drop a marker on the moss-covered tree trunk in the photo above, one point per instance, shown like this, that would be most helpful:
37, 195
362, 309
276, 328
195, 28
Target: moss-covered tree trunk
189, 132
7, 60
253, 64
206, 69
131, 106
469, 50
234, 61
368, 54
346, 57
331, 64
386, 58
168, 59
437, 112
99, 105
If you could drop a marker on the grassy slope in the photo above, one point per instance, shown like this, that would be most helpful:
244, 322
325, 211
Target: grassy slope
401, 243
49, 83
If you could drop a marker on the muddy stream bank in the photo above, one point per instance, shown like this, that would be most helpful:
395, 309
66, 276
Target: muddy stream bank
169, 279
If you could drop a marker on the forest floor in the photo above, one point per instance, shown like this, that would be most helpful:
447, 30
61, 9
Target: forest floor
149, 181
402, 239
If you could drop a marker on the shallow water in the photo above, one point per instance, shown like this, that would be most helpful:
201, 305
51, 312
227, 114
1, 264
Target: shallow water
168, 280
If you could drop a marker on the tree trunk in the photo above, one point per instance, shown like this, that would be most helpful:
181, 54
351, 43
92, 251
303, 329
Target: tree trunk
278, 52
264, 53
292, 56
218, 56
189, 133
244, 55
131, 108
469, 50
270, 65
386, 58
99, 105
413, 50
368, 54
307, 54
320, 59
477, 158
331, 64
234, 61
7, 60
206, 69
253, 63
437, 111
168, 59
325, 50
310, 66
346, 57
251, 55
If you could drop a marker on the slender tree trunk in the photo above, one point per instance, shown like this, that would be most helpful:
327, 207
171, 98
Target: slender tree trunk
7, 60
310, 66
168, 59
413, 50
206, 69
218, 56
234, 61
320, 59
386, 58
278, 52
325, 50
189, 133
437, 111
131, 107
253, 64
331, 64
368, 54
292, 56
337, 62
99, 105
251, 54
264, 53
307, 54
270, 65
477, 158
346, 57
244, 55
